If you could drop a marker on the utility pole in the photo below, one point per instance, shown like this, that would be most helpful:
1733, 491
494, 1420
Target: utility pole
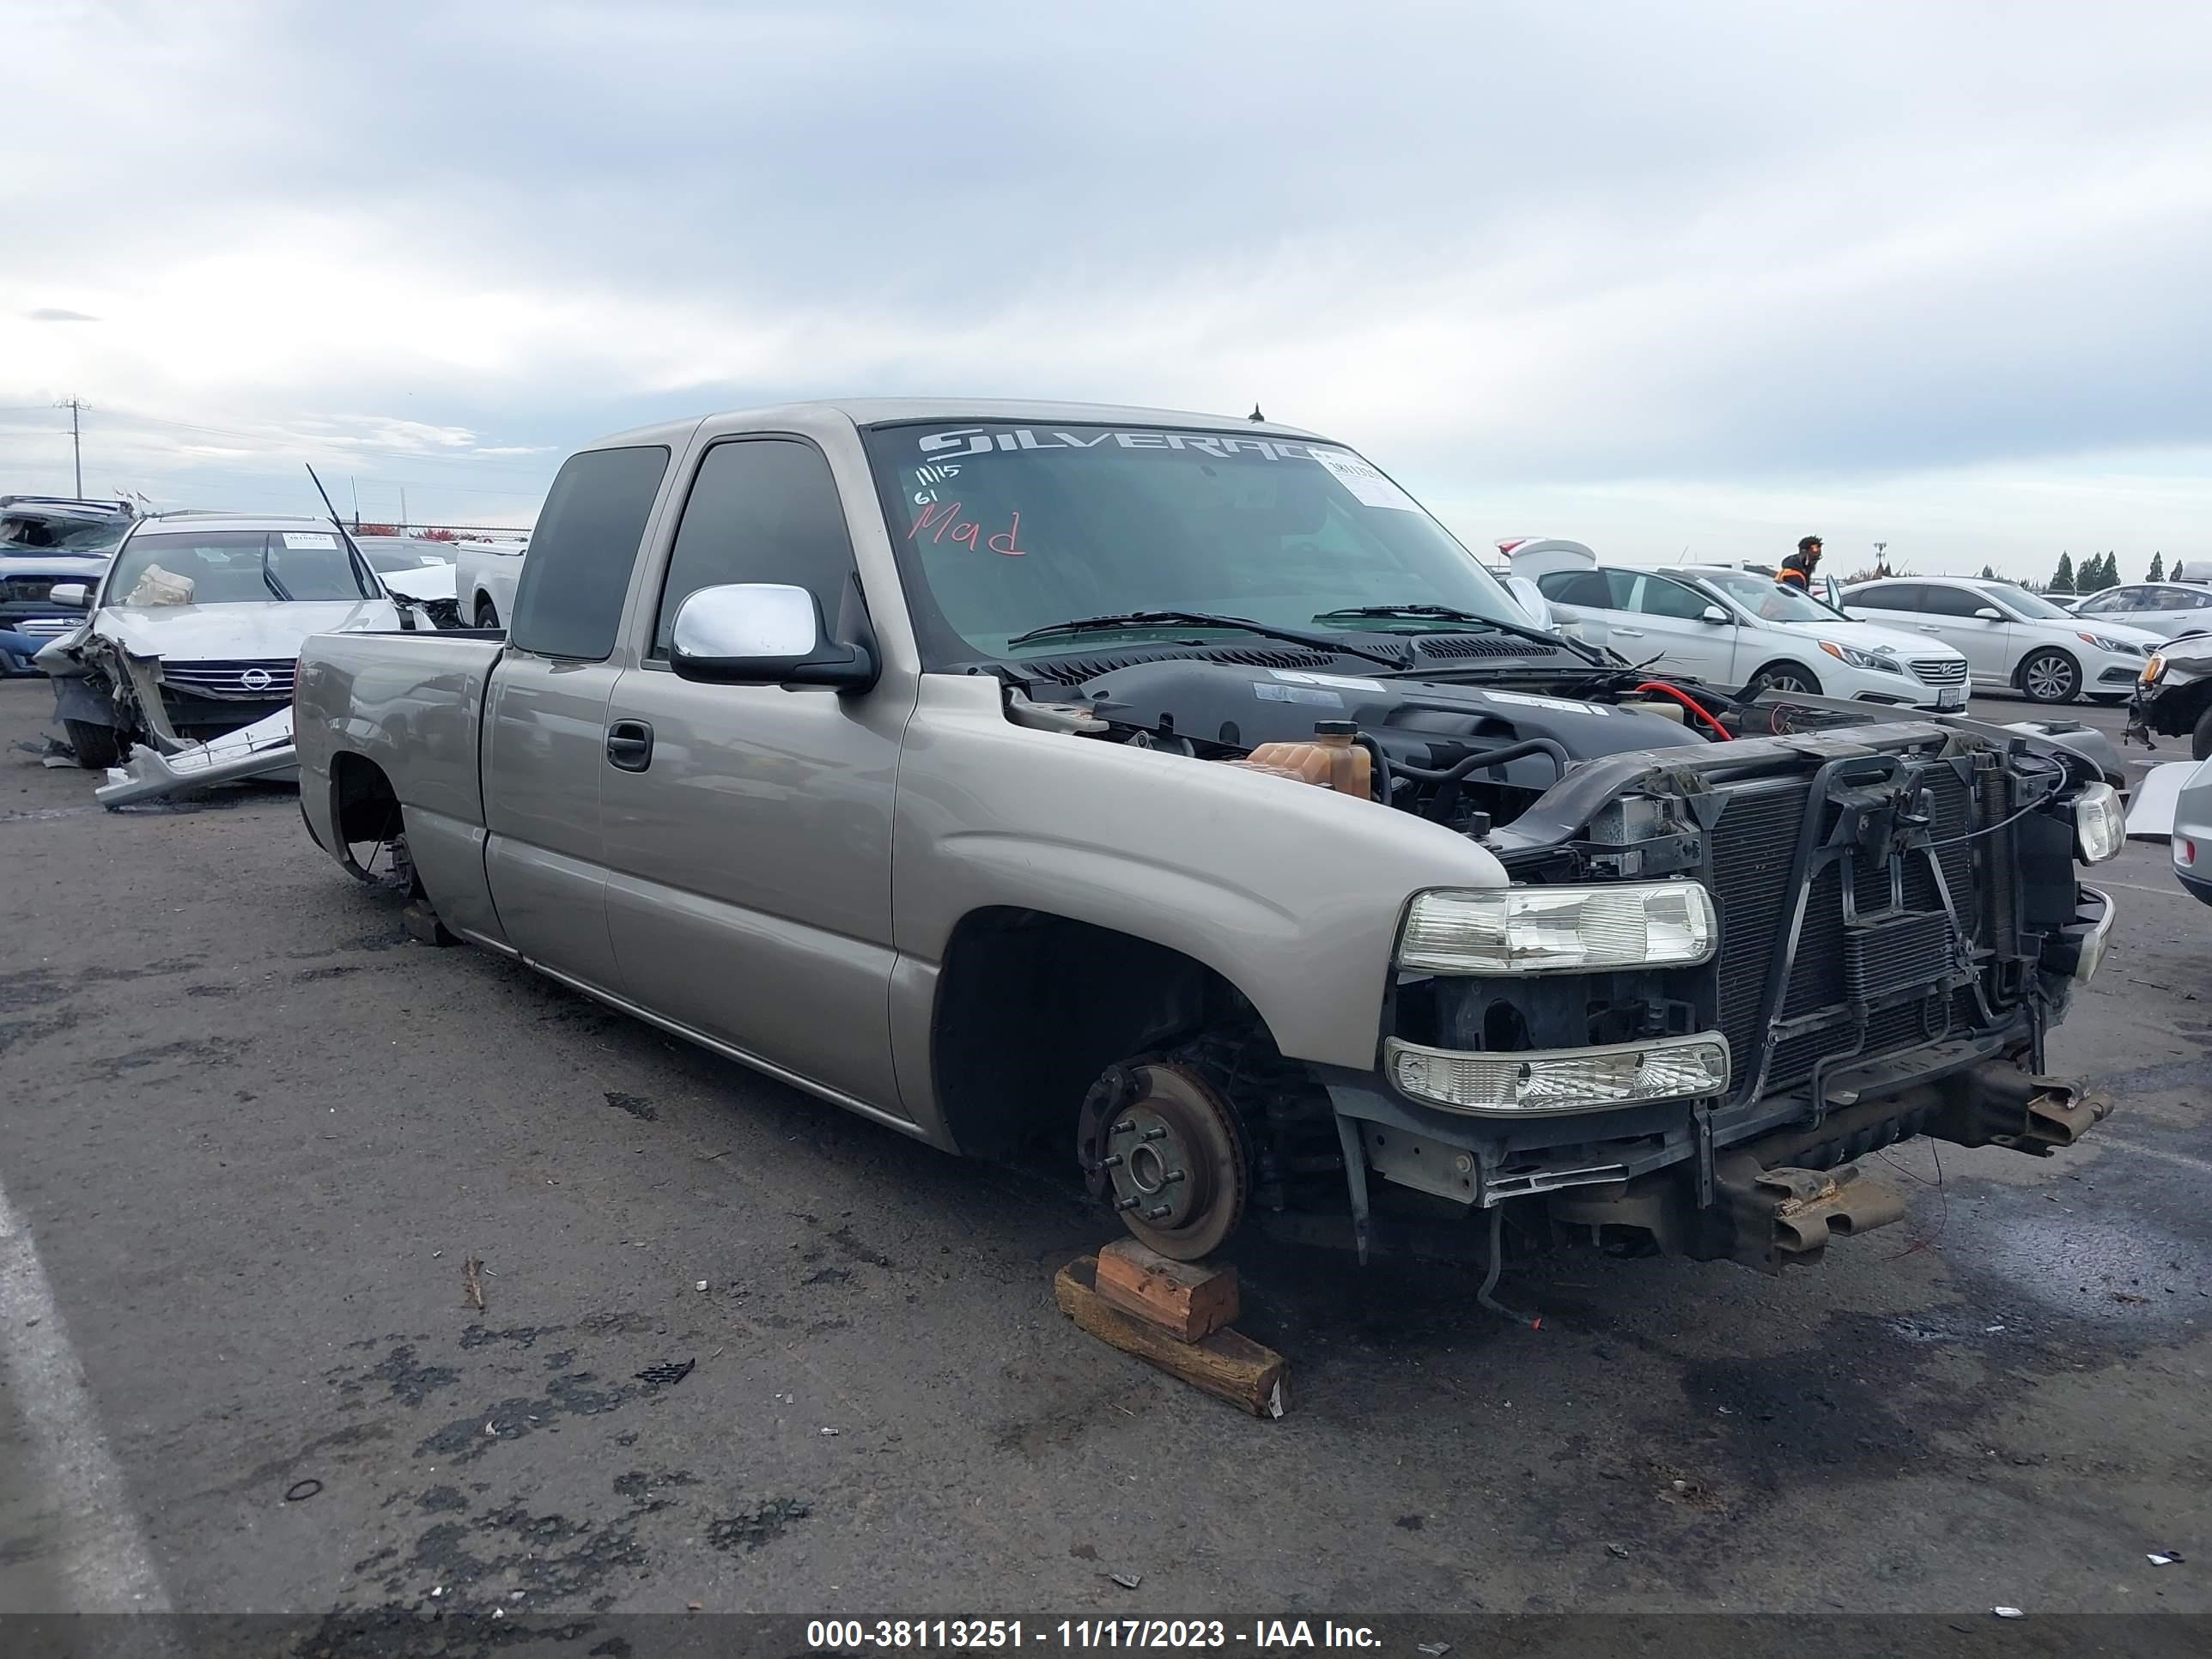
76, 441
403, 506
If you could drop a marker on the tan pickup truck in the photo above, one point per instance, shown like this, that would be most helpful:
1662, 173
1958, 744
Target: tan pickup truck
1174, 794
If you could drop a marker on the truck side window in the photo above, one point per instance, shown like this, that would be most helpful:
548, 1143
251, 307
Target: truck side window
570, 597
761, 510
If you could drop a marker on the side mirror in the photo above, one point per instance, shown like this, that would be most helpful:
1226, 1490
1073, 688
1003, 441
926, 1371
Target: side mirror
763, 634
1713, 613
75, 595
1989, 613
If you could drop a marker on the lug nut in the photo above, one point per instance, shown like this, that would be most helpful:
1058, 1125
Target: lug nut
1125, 1126
1111, 1161
1160, 1215
1128, 1203
1174, 1176
1157, 1132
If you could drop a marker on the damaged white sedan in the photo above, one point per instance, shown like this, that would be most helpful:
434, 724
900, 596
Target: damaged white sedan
195, 629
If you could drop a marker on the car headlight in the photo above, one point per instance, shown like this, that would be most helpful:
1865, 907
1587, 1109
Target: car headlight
1559, 930
1858, 658
2118, 648
2153, 670
1562, 1079
2100, 827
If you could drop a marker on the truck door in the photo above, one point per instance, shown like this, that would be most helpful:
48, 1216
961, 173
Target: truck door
748, 843
544, 723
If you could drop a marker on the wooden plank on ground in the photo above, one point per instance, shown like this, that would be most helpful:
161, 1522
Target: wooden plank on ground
1225, 1364
1186, 1300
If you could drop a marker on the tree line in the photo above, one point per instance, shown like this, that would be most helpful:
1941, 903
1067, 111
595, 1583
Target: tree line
2097, 573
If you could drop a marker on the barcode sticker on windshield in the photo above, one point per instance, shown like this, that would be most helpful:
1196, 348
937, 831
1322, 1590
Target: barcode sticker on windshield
1368, 487
309, 539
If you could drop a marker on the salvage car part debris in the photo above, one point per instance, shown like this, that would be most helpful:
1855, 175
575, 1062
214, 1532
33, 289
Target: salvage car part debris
263, 749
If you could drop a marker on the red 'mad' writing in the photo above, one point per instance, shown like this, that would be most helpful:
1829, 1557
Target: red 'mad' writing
943, 520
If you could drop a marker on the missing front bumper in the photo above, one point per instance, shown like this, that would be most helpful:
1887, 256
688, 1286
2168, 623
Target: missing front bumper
1779, 1199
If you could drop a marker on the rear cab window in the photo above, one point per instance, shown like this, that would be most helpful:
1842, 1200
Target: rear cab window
569, 601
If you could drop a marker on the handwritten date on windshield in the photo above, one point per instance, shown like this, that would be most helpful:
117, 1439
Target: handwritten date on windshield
943, 520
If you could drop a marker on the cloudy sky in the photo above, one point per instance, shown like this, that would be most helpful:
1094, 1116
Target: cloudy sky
1707, 275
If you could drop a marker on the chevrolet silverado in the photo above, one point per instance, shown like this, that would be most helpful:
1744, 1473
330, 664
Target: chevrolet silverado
1175, 794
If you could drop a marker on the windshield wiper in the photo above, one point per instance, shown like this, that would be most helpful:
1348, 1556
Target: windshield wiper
1454, 614
1205, 619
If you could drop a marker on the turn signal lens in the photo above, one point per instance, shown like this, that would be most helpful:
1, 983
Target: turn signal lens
1563, 1079
2100, 827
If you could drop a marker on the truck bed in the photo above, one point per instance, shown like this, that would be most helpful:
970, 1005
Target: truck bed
409, 705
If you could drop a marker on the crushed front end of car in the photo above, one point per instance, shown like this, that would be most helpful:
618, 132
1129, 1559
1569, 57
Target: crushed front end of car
1721, 974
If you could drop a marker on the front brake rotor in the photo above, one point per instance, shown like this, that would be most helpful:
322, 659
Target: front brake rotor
1164, 1150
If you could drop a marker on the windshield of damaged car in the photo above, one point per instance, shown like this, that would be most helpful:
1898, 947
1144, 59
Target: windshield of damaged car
1003, 529
232, 566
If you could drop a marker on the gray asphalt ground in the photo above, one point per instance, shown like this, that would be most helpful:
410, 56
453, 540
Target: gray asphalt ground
255, 1135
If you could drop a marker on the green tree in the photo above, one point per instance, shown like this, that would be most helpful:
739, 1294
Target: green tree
2062, 580
2157, 572
1989, 572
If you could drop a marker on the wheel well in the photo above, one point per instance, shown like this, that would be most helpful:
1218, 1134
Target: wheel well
1791, 664
2020, 668
1031, 1007
363, 805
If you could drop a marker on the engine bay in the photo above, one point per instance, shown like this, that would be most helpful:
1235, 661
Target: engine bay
1471, 756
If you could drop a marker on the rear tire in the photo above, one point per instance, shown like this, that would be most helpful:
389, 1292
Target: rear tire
1783, 677
2050, 676
2200, 736
97, 747
487, 617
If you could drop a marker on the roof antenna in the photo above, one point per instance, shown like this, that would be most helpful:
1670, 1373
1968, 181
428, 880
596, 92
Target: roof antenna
1256, 415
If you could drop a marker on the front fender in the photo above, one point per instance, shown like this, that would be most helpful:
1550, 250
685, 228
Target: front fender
1291, 893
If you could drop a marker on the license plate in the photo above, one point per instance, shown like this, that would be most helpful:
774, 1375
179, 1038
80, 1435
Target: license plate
1951, 696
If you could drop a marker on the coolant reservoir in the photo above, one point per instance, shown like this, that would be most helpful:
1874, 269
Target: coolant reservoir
1333, 759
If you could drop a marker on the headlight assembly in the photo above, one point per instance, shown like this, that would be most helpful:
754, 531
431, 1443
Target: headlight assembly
2118, 648
1561, 930
1858, 658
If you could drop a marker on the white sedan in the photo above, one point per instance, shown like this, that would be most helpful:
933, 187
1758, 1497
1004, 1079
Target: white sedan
2013, 638
1730, 628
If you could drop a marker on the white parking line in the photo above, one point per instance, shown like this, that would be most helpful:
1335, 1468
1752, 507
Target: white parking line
2182, 1158
105, 1564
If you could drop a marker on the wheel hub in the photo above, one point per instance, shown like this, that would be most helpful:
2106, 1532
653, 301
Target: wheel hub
1162, 1150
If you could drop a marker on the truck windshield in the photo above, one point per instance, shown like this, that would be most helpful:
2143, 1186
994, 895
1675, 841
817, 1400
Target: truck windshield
232, 566
1002, 530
